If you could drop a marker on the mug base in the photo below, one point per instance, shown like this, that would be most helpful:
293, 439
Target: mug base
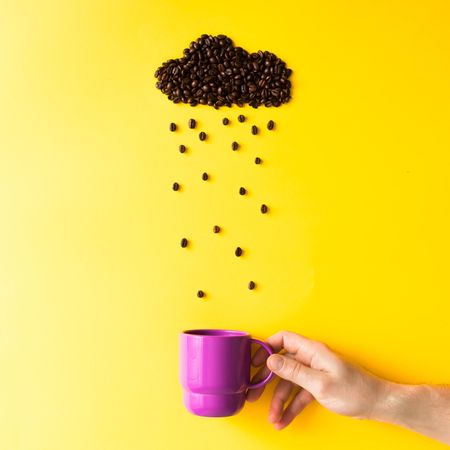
213, 405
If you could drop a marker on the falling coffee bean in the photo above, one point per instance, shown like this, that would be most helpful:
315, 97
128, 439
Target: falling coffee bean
258, 160
173, 127
200, 294
205, 176
184, 242
238, 251
202, 136
254, 129
234, 146
270, 125
225, 121
241, 118
182, 148
251, 285
192, 123
175, 186
264, 209
216, 229
242, 191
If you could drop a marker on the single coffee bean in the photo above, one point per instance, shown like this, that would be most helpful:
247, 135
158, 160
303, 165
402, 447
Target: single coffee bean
192, 123
182, 148
216, 229
258, 160
225, 121
270, 125
184, 242
254, 129
175, 186
202, 135
204, 176
200, 293
241, 118
173, 127
238, 251
264, 209
251, 285
242, 191
234, 146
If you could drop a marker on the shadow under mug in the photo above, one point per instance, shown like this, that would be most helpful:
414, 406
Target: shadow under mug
215, 370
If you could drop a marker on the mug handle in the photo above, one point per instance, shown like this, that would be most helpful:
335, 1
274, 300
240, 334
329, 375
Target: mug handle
269, 350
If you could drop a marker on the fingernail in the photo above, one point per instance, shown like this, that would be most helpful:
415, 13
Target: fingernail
275, 362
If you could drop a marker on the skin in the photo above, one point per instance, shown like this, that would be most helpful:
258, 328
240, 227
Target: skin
309, 370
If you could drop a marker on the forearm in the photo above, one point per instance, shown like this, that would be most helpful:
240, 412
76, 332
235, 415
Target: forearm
421, 408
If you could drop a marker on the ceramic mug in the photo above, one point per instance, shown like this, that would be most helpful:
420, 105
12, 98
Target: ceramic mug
215, 370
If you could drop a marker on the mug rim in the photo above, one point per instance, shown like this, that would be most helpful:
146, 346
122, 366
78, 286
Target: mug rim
215, 333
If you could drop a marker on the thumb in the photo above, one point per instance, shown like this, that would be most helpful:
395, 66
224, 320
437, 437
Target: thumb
292, 370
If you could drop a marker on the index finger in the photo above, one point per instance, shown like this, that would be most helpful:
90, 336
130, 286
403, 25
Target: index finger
311, 353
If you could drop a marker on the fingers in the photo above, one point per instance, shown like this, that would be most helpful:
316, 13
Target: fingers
280, 397
255, 394
300, 374
309, 352
295, 407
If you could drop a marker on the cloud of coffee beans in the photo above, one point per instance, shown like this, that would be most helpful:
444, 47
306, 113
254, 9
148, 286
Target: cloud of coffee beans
214, 72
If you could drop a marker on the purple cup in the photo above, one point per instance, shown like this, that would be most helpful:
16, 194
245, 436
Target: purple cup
215, 370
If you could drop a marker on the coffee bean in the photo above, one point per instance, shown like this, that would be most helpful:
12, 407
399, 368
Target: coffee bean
254, 129
270, 125
238, 251
264, 209
251, 285
258, 160
234, 146
214, 72
175, 186
216, 229
173, 127
200, 294
202, 135
184, 242
242, 191
182, 148
205, 176
241, 118
192, 123
225, 121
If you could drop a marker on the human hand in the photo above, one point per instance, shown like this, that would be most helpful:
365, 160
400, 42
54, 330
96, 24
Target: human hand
310, 370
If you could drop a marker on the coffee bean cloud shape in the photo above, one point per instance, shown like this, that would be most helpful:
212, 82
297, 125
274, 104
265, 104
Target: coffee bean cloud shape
214, 72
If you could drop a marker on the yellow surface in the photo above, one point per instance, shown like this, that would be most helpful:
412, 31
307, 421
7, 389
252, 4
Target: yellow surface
93, 284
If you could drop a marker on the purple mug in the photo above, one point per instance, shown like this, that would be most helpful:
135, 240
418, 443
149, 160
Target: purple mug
215, 370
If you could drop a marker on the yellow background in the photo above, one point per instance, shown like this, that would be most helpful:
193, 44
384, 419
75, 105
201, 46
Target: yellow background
94, 287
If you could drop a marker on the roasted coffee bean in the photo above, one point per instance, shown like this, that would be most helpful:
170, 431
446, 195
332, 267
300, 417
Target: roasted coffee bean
225, 121
270, 125
254, 129
242, 191
192, 123
200, 293
175, 186
258, 160
182, 148
173, 127
241, 118
214, 72
204, 176
202, 136
234, 146
251, 285
264, 209
184, 242
238, 251
216, 229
